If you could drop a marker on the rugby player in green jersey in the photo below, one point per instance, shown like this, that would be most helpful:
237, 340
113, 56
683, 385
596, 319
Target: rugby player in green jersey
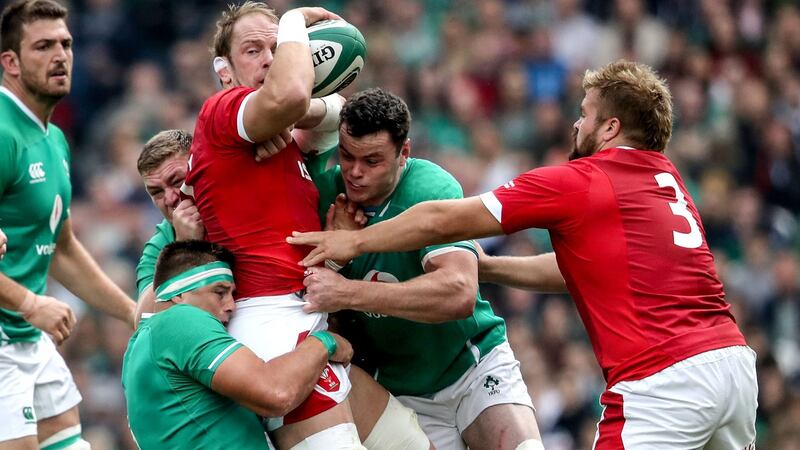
206, 380
381, 421
38, 405
417, 316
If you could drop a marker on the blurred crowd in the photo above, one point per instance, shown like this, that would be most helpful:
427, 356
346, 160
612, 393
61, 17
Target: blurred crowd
494, 87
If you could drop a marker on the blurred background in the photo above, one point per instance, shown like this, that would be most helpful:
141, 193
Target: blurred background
494, 87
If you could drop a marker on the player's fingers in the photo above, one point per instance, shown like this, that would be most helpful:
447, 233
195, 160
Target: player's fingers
329, 217
298, 238
314, 257
341, 200
351, 208
58, 338
71, 319
309, 308
286, 135
361, 218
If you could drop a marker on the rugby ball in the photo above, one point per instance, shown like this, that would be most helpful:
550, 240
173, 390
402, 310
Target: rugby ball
338, 51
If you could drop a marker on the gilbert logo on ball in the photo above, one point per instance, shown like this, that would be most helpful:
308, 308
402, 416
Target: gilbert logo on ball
338, 51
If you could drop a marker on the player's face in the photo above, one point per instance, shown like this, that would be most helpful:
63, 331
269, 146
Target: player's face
370, 166
216, 298
253, 44
586, 128
45, 59
164, 184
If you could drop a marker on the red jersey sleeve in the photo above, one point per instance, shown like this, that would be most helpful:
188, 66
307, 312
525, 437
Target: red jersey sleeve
223, 114
547, 197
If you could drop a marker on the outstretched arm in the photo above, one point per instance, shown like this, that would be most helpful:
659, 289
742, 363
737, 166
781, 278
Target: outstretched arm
427, 223
447, 291
538, 272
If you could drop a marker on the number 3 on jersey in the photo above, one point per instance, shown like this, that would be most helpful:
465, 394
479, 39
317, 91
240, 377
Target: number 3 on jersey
693, 238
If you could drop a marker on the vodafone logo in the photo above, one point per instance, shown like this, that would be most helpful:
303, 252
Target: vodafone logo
36, 172
376, 276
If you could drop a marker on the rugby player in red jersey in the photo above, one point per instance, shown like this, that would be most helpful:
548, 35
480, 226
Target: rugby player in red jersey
630, 244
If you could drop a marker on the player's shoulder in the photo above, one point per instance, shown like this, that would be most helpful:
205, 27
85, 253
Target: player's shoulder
426, 180
181, 321
165, 230
226, 95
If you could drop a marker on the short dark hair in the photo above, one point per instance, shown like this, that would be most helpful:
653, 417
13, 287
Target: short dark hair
21, 13
180, 256
375, 110
161, 147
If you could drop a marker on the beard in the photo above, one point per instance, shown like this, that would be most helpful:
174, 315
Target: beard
41, 91
587, 147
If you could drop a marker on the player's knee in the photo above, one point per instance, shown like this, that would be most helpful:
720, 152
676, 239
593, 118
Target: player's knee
66, 439
397, 429
530, 444
340, 437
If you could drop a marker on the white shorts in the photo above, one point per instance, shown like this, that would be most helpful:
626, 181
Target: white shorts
272, 326
707, 401
496, 380
35, 384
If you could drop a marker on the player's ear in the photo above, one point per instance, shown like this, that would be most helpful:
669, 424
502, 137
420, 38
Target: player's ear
405, 151
613, 128
10, 62
223, 70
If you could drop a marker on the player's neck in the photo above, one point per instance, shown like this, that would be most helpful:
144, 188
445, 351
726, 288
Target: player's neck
40, 107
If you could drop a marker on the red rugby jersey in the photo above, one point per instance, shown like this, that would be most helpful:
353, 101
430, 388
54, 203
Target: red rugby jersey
630, 244
248, 207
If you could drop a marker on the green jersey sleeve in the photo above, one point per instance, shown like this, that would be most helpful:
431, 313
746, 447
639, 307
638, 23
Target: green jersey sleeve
164, 235
194, 342
8, 163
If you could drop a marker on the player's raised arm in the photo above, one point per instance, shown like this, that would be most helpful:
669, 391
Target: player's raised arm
427, 223
285, 94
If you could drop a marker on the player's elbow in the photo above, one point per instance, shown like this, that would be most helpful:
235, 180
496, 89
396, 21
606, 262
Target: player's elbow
461, 294
465, 298
277, 401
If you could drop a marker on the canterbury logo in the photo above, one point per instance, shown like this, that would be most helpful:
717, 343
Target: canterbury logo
36, 172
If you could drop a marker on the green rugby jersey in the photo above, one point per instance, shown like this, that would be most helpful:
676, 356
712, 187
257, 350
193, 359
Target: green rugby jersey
166, 374
412, 358
164, 235
35, 195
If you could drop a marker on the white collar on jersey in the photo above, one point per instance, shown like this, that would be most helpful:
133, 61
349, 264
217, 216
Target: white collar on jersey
625, 147
24, 108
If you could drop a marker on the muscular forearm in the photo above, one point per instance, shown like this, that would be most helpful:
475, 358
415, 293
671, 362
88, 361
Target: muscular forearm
435, 297
291, 378
539, 272
73, 267
12, 294
429, 223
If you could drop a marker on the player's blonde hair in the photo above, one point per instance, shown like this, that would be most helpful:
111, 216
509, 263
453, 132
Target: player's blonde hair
228, 19
633, 93
161, 147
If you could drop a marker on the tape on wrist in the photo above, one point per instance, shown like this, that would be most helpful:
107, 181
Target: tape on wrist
333, 108
327, 340
292, 28
333, 265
